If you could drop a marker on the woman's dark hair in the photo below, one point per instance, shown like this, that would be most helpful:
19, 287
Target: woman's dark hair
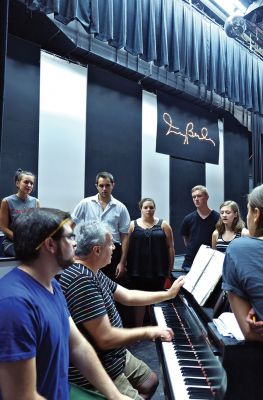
255, 200
33, 227
144, 200
20, 173
237, 225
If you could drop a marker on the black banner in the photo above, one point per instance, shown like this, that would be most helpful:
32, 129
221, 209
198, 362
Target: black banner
186, 131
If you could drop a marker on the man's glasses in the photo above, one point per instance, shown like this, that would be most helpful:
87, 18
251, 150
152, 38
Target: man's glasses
70, 236
63, 222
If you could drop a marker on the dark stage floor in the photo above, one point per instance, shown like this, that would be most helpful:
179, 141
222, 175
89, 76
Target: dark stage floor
146, 351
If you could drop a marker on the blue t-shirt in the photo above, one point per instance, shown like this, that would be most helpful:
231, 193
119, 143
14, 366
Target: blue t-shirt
243, 271
35, 323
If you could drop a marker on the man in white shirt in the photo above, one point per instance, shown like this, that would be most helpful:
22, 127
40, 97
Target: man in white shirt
104, 207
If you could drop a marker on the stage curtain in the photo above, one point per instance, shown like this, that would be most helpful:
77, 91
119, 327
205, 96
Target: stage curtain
257, 143
173, 35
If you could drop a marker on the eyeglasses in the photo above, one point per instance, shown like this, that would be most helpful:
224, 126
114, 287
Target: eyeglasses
107, 185
70, 236
63, 222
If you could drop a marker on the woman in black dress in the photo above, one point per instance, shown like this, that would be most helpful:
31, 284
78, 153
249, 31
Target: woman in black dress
151, 253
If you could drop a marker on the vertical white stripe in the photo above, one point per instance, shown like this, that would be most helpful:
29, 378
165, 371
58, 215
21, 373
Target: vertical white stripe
62, 133
155, 166
215, 175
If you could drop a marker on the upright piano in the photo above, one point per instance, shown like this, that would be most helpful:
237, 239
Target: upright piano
200, 363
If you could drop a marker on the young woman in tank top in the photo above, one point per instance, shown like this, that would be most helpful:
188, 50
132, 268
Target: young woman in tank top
229, 227
14, 205
150, 256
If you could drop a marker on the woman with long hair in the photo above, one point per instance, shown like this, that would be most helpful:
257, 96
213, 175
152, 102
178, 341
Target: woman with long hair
14, 205
229, 226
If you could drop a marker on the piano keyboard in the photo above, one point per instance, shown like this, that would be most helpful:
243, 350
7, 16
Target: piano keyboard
192, 368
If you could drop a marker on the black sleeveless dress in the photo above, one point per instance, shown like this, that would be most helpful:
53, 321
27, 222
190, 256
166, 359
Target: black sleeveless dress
147, 261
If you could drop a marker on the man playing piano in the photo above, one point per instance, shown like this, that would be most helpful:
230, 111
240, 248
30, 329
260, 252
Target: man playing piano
91, 297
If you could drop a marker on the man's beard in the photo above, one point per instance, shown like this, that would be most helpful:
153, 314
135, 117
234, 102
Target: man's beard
62, 261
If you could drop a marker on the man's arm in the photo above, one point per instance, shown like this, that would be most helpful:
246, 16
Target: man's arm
78, 214
241, 308
142, 298
85, 359
108, 337
185, 230
185, 239
120, 269
18, 380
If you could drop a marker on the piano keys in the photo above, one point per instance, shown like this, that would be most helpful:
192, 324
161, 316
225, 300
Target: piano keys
201, 363
190, 368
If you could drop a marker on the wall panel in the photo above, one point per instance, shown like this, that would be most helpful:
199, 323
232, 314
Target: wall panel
114, 121
62, 133
183, 176
19, 144
236, 162
155, 166
214, 174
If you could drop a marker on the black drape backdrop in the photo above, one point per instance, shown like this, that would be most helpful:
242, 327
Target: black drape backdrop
3, 50
257, 142
173, 34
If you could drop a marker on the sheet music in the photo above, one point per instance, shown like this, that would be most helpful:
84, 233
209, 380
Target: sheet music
204, 274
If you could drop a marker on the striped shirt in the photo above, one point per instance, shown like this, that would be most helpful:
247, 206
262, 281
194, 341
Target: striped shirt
221, 244
90, 296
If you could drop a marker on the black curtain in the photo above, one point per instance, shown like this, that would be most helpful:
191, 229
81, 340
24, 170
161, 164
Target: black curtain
3, 49
113, 138
257, 129
172, 34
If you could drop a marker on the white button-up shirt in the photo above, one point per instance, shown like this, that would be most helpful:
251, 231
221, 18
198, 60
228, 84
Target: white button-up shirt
115, 215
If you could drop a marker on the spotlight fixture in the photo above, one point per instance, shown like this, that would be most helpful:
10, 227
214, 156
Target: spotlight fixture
235, 26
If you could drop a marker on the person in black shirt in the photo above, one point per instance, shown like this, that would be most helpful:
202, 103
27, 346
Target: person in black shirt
198, 226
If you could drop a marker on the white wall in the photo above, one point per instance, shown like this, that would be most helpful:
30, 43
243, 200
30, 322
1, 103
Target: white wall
215, 175
62, 133
155, 166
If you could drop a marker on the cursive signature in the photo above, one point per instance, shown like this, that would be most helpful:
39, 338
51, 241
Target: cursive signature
189, 131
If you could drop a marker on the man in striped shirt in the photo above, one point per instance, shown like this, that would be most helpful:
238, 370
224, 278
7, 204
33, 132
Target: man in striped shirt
91, 297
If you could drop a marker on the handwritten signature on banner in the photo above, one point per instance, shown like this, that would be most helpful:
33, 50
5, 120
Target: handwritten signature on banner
189, 131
